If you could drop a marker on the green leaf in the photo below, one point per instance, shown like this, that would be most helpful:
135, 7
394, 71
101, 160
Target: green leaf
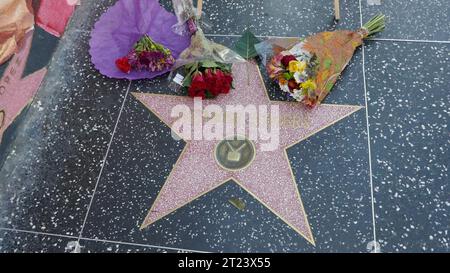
327, 63
187, 80
209, 64
193, 68
238, 203
245, 46
375, 25
224, 67
147, 44
288, 75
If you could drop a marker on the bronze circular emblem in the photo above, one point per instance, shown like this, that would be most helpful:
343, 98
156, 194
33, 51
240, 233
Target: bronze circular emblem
234, 155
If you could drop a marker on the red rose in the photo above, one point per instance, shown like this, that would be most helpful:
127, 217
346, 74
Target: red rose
229, 78
209, 76
219, 81
211, 82
226, 87
192, 92
292, 84
215, 89
198, 82
123, 65
198, 86
224, 81
287, 59
229, 81
201, 94
197, 93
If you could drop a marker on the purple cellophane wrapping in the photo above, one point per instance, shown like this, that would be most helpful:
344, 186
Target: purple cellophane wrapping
123, 25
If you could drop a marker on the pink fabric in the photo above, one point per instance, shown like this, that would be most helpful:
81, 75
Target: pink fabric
53, 15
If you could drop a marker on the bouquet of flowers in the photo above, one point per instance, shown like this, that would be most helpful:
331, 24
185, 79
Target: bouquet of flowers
307, 69
206, 65
208, 79
146, 55
134, 40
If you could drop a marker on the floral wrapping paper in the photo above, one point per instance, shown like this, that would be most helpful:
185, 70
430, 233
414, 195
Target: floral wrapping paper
333, 50
307, 69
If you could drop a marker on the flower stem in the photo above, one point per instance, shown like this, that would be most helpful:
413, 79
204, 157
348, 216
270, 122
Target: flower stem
375, 25
147, 44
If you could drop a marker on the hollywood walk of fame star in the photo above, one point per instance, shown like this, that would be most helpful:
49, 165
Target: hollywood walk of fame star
266, 175
16, 92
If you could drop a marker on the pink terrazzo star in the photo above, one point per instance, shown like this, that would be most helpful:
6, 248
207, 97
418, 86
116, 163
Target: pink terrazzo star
15, 92
268, 178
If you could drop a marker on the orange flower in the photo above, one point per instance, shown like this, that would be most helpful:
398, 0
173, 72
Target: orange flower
282, 80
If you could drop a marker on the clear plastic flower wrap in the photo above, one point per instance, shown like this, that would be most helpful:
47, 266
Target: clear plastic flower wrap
308, 68
204, 68
185, 12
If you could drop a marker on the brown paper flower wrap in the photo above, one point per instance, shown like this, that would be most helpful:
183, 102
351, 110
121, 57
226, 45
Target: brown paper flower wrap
308, 68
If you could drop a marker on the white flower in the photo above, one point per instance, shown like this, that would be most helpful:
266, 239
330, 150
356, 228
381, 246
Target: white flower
300, 77
285, 88
304, 58
297, 49
297, 95
300, 53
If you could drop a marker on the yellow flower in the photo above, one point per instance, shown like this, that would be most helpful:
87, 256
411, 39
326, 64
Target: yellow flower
296, 66
309, 85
